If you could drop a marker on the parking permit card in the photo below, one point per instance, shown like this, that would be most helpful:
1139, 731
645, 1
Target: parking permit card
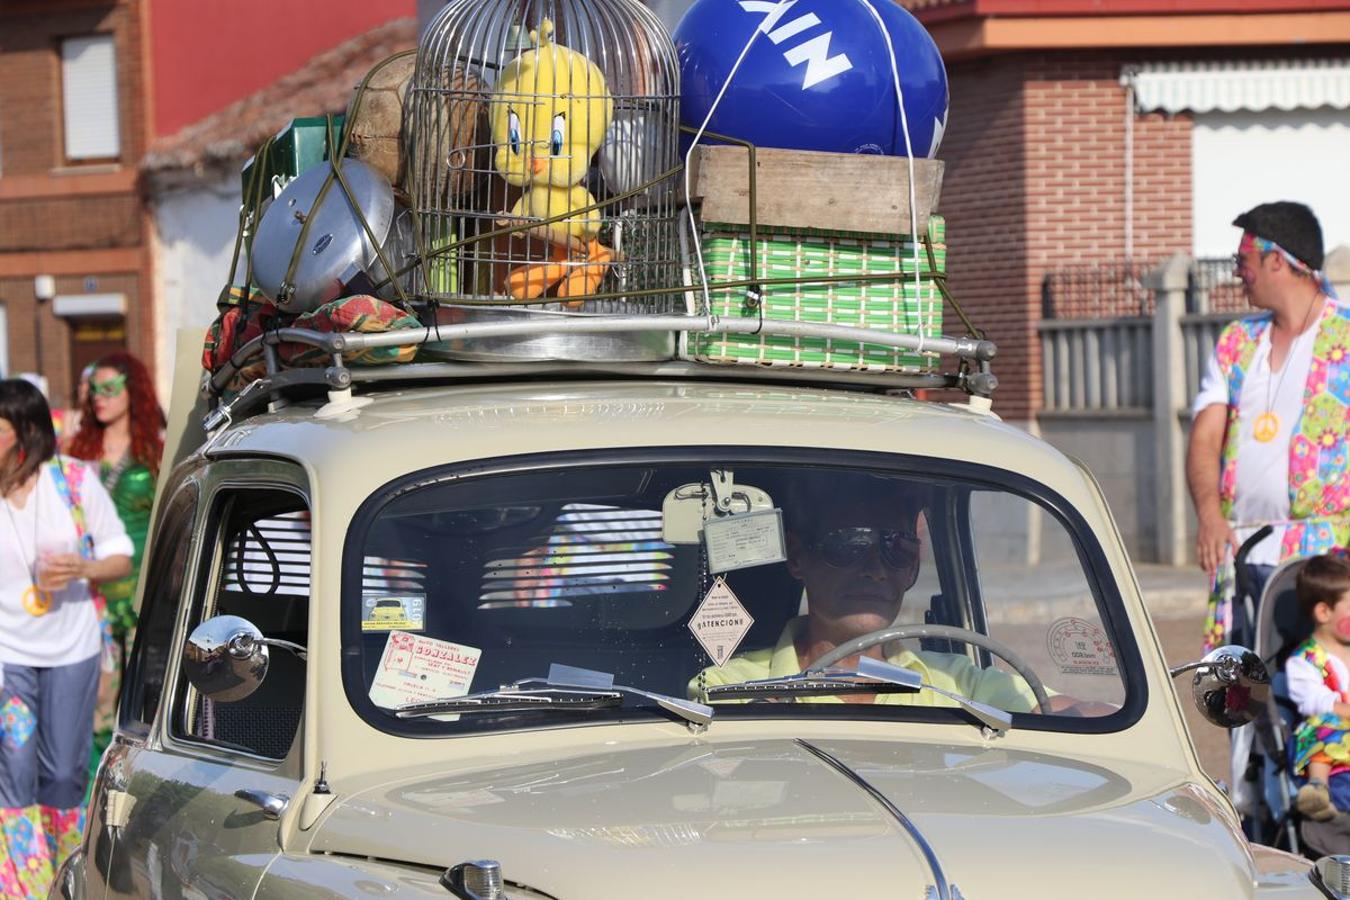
415, 668
744, 540
720, 622
388, 612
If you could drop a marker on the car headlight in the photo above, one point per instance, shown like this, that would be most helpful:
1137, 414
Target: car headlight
1332, 875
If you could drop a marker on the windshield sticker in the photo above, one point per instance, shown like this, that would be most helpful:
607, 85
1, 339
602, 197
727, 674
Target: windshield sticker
414, 669
387, 612
744, 540
1079, 647
720, 622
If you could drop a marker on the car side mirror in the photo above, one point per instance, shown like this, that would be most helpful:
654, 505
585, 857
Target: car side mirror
1231, 685
226, 657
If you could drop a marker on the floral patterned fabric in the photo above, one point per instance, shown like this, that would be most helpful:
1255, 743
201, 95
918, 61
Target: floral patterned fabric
1318, 490
1319, 487
26, 868
360, 314
235, 327
1322, 738
34, 842
1219, 619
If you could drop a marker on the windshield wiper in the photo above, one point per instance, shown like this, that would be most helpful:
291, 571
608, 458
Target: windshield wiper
872, 676
513, 698
565, 688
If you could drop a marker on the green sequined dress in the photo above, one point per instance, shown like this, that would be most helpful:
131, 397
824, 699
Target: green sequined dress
133, 493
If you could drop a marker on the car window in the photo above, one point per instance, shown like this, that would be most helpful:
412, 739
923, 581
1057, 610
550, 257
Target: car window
260, 572
1038, 598
630, 571
164, 574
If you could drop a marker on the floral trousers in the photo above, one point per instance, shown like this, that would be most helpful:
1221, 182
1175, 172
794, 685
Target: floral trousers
45, 714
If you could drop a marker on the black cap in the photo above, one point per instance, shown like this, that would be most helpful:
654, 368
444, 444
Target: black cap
1291, 225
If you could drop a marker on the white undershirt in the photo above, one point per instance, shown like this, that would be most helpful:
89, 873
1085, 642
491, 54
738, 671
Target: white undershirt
69, 631
1307, 689
1262, 489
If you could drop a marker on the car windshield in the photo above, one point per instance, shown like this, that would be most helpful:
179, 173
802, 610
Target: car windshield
718, 581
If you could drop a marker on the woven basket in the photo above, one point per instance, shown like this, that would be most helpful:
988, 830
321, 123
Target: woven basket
894, 306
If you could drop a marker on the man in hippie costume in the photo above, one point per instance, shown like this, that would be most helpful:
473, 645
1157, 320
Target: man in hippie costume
1269, 437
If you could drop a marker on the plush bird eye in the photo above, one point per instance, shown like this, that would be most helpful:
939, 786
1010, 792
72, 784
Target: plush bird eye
513, 131
559, 130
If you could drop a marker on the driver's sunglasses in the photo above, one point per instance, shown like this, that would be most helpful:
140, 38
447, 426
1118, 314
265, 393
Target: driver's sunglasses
845, 547
110, 388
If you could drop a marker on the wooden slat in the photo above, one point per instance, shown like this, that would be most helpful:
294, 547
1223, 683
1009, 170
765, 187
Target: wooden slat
800, 188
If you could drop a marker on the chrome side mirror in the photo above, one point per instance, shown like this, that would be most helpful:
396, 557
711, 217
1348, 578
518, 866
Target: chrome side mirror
225, 657
1230, 687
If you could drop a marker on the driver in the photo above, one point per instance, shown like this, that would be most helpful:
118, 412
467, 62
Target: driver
856, 554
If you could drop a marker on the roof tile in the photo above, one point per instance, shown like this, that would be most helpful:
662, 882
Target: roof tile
229, 136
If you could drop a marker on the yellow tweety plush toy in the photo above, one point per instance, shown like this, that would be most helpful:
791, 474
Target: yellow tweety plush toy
549, 114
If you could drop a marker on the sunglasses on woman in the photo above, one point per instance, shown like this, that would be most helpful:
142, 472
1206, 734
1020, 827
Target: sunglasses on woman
845, 547
110, 387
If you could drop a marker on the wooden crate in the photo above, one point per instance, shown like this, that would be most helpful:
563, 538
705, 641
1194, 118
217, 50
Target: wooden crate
806, 189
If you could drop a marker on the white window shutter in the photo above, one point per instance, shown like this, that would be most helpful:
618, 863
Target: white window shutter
89, 91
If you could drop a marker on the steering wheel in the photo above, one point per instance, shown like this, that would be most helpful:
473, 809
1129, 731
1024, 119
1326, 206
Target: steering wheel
951, 632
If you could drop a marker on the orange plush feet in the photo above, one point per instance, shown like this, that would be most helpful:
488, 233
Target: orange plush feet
533, 280
578, 279
585, 279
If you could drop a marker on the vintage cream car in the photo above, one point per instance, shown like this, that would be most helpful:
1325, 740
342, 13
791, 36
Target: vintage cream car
633, 601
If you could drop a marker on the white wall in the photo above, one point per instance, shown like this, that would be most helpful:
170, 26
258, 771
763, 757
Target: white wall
194, 240
1241, 159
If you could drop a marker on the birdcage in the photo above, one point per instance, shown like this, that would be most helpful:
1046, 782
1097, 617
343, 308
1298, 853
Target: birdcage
542, 139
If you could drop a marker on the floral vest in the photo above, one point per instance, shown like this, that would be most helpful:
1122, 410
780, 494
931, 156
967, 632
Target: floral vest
1319, 486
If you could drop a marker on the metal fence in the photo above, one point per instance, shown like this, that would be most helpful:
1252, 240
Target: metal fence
1111, 290
1097, 364
1214, 287
1104, 364
1096, 291
1198, 335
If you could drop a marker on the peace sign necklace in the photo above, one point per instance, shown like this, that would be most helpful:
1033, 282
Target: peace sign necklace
36, 601
1267, 425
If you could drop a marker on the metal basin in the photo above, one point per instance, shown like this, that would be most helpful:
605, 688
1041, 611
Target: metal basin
546, 345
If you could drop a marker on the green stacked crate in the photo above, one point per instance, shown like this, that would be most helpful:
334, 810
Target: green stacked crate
301, 145
899, 305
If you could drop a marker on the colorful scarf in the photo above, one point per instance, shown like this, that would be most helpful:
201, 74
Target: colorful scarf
1251, 242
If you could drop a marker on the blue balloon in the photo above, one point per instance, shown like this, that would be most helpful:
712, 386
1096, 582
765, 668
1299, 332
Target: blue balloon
818, 79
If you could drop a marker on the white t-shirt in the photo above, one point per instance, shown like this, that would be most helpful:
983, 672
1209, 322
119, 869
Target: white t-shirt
1262, 489
69, 631
1307, 689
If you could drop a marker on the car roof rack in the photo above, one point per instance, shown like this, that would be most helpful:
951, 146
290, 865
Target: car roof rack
973, 374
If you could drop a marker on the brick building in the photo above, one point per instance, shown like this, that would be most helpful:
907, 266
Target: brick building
1062, 153
72, 126
86, 86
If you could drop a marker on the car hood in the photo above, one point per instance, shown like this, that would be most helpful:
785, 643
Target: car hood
772, 818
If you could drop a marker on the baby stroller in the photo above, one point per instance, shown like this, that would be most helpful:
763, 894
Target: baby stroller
1268, 788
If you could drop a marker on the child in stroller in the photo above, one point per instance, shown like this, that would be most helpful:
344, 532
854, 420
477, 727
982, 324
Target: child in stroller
1318, 674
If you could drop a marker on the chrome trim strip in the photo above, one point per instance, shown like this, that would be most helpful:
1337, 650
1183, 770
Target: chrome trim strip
944, 890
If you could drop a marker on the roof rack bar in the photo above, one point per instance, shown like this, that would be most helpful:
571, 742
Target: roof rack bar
965, 348
335, 343
677, 369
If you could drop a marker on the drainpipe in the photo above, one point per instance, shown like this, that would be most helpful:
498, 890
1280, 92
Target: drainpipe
1127, 79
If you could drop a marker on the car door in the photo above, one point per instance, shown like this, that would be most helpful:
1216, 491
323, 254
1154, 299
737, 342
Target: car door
194, 807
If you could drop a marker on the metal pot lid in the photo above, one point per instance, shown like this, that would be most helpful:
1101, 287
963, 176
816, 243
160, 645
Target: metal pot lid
336, 246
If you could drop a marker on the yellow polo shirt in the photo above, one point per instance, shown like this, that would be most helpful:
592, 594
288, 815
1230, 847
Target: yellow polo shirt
950, 671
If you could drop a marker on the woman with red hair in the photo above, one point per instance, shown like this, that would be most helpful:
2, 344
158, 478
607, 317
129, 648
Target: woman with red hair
121, 429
